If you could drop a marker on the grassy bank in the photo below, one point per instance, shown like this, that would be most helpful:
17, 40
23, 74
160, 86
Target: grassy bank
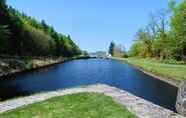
81, 105
172, 71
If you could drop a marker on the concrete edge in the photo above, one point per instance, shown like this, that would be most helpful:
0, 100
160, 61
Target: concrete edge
167, 80
140, 107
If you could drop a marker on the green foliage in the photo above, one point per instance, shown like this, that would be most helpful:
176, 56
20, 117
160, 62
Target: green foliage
4, 35
37, 43
32, 38
135, 49
178, 25
161, 39
164, 46
4, 32
172, 5
2, 3
145, 41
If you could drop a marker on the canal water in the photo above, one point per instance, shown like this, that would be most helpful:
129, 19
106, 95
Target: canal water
90, 71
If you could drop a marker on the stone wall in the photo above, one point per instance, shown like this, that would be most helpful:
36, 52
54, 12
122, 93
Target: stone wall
181, 99
15, 65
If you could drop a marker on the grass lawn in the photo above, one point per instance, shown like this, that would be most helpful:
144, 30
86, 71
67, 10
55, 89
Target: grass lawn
81, 105
173, 71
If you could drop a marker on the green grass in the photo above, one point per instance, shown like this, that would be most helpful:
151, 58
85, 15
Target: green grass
81, 105
173, 71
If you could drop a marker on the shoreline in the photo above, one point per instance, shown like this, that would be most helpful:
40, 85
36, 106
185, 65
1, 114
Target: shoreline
167, 80
44, 64
170, 81
11, 71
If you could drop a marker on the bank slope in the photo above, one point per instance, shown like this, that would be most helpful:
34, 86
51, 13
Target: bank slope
172, 73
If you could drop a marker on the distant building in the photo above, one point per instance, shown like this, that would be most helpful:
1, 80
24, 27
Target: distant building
108, 55
100, 54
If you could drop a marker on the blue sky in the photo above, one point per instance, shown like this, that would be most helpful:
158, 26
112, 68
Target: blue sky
93, 24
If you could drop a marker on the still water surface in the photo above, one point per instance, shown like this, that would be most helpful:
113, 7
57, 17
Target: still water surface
86, 72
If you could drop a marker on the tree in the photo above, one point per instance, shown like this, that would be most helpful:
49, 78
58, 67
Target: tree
111, 48
163, 38
172, 5
2, 4
119, 51
155, 40
162, 43
134, 50
4, 35
144, 38
30, 37
178, 25
163, 46
3, 12
4, 32
44, 25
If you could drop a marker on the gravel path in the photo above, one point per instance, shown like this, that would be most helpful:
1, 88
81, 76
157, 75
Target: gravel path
136, 105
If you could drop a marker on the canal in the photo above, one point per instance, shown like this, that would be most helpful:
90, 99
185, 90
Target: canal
90, 71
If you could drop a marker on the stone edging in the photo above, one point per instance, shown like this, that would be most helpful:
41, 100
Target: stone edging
170, 81
136, 105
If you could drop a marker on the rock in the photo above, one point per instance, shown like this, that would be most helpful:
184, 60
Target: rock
181, 99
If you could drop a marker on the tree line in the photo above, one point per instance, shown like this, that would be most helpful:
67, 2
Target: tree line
25, 36
164, 37
117, 50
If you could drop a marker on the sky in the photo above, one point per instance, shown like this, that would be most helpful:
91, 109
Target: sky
93, 24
